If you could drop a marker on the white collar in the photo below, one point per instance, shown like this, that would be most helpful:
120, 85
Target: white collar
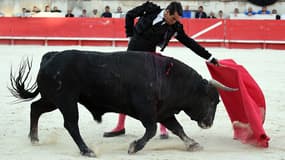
159, 18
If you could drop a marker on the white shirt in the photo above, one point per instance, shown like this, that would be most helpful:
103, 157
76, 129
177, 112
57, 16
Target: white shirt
159, 18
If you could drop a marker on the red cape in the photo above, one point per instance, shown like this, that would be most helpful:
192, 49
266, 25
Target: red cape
245, 107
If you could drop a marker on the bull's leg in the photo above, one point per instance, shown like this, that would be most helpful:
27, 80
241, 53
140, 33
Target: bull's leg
37, 109
145, 110
69, 111
140, 143
173, 125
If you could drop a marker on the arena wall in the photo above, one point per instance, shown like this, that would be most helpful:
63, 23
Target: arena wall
266, 34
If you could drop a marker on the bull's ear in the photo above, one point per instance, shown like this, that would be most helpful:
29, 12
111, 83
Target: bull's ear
221, 86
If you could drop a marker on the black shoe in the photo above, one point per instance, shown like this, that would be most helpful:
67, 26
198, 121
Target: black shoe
114, 133
164, 136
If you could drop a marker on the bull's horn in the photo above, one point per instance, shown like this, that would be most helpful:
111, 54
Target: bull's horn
221, 86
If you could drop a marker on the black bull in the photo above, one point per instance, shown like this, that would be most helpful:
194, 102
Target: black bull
147, 87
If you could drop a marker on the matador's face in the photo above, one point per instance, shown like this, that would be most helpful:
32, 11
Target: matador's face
171, 19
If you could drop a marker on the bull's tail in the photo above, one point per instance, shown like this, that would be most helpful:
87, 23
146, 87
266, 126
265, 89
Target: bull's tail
19, 80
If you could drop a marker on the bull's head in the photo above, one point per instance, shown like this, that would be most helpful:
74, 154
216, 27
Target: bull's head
206, 103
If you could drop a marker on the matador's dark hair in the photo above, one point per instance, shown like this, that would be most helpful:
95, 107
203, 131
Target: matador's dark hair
175, 7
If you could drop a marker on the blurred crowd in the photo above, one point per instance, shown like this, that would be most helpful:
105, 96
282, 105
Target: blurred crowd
198, 13
249, 13
56, 12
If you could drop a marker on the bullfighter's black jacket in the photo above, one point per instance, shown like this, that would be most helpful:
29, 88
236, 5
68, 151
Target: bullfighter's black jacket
145, 35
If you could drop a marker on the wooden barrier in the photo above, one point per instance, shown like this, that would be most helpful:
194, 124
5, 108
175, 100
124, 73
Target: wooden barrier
111, 32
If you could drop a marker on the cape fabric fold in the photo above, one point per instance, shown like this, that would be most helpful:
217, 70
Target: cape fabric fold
245, 107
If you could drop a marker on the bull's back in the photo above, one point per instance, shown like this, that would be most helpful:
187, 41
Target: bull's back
104, 73
117, 73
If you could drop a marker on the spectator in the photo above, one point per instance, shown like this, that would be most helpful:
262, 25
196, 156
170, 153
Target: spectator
250, 12
36, 10
25, 13
277, 16
221, 14
95, 13
186, 12
263, 10
47, 8
55, 9
119, 10
200, 13
119, 13
236, 12
69, 13
211, 15
84, 13
107, 13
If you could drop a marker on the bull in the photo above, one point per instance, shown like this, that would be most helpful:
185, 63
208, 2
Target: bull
150, 88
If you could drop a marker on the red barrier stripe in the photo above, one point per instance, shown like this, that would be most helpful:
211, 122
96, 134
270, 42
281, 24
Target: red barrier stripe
230, 33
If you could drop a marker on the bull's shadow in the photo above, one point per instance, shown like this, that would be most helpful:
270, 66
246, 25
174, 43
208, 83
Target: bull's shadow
148, 87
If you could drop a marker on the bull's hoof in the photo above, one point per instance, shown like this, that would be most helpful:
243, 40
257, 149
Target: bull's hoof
35, 142
132, 148
194, 147
88, 153
34, 139
135, 146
